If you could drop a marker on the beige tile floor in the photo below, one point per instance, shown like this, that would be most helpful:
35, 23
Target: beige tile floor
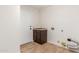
33, 47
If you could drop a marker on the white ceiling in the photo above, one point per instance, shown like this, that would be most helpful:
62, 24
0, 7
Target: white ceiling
39, 6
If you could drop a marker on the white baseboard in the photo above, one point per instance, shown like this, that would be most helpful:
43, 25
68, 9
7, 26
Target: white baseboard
55, 43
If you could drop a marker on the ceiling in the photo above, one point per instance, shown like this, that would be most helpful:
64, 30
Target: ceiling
39, 6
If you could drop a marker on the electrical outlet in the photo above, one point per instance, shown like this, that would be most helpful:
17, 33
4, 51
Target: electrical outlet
52, 28
62, 30
30, 27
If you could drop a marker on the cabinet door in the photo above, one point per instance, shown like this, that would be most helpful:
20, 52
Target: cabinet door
43, 36
38, 39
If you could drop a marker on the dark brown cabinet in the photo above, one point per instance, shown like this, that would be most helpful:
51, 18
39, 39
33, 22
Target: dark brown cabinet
40, 35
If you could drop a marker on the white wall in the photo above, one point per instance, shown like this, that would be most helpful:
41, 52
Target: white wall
29, 17
64, 18
9, 17
15, 22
